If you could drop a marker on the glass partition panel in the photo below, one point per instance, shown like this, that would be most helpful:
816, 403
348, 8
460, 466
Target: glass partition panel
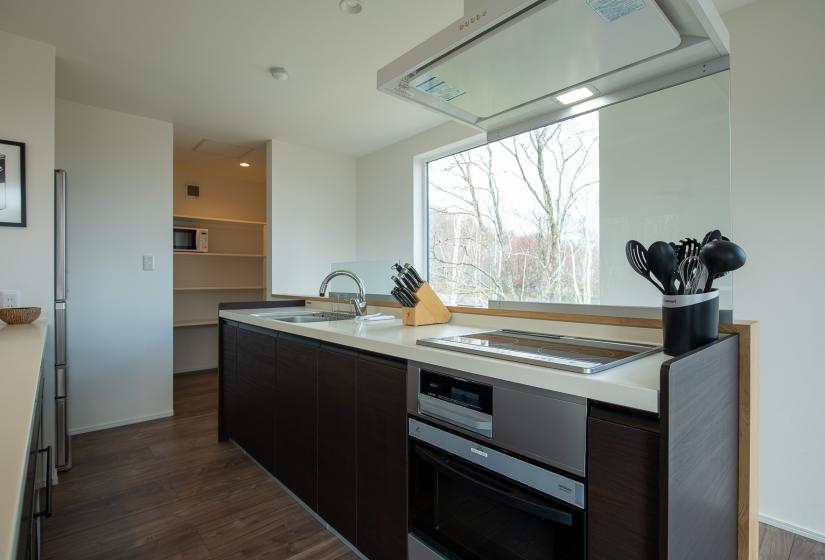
544, 216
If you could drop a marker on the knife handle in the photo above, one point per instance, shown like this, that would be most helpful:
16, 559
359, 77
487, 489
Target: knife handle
413, 272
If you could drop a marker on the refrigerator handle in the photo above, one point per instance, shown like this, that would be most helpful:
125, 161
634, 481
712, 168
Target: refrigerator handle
60, 333
60, 235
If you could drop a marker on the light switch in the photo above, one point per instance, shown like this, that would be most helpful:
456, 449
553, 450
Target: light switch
148, 262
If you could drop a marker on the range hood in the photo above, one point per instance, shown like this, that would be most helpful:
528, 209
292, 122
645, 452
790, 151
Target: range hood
503, 66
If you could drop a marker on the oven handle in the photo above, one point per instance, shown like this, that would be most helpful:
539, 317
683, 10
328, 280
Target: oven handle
514, 498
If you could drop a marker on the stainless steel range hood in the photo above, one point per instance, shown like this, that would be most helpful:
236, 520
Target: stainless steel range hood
503, 65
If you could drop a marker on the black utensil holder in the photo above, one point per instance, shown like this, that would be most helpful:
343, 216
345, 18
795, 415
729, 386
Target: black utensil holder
689, 321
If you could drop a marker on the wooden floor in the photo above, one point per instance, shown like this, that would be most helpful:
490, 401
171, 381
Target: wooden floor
776, 544
167, 489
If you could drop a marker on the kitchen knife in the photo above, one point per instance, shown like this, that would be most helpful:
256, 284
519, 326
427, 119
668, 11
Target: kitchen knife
403, 298
397, 297
406, 292
409, 282
396, 293
409, 279
397, 281
411, 269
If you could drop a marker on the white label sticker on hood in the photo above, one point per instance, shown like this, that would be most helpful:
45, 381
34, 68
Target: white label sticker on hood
438, 87
611, 10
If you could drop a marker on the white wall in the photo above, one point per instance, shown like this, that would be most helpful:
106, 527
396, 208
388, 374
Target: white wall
120, 317
778, 198
664, 174
312, 200
223, 193
27, 254
387, 194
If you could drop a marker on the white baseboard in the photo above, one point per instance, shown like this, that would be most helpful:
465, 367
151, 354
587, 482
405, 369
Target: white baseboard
813, 535
124, 422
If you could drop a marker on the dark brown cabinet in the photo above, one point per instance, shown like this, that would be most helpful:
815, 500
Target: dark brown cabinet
382, 458
228, 355
296, 413
622, 486
330, 423
337, 467
252, 420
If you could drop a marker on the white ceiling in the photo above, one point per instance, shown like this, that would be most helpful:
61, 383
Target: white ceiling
727, 5
203, 64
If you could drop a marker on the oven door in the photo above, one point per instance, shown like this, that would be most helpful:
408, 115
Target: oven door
463, 511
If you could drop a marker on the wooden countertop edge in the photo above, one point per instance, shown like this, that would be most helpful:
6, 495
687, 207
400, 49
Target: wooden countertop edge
735, 327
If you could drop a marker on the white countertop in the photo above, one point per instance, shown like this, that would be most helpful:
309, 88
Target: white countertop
634, 385
21, 355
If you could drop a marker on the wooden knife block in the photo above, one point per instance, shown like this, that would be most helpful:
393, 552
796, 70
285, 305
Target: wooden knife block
428, 311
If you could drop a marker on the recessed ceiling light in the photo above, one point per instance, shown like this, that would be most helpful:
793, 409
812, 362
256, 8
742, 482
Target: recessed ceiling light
575, 95
350, 6
244, 164
279, 73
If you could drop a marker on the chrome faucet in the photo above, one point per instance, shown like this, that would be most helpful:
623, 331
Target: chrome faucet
359, 302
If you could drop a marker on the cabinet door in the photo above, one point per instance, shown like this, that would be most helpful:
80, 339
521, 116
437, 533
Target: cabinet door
296, 448
382, 458
226, 378
337, 474
622, 490
253, 419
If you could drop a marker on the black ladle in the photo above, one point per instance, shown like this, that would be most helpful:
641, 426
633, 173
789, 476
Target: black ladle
711, 236
719, 257
638, 258
663, 263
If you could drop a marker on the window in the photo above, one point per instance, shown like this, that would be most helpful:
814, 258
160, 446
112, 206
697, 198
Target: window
518, 219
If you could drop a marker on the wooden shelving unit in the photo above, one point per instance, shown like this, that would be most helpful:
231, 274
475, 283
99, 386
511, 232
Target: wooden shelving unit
233, 269
225, 220
238, 255
219, 288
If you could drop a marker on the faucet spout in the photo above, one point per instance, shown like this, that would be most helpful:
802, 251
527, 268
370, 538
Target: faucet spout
359, 302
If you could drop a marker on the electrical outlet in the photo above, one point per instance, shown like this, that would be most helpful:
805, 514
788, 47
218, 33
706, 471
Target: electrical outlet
148, 262
9, 298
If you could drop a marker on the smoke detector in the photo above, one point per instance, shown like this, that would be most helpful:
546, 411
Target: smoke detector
351, 7
279, 73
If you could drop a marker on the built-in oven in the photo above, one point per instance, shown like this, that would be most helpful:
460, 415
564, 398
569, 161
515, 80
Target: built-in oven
483, 482
195, 240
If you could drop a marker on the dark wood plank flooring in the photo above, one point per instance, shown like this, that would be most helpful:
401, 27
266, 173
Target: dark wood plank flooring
167, 489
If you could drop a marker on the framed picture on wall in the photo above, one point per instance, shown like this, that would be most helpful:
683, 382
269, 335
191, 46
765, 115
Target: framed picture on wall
12, 183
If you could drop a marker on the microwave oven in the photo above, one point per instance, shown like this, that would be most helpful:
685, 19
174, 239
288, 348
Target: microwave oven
194, 240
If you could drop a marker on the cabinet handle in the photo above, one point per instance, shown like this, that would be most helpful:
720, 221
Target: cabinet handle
48, 510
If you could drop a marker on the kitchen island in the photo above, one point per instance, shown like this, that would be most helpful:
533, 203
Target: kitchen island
327, 408
21, 376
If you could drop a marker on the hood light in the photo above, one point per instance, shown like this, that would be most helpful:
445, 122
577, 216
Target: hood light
575, 95
244, 164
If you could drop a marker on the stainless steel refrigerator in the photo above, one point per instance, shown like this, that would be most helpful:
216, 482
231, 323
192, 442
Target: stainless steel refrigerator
63, 442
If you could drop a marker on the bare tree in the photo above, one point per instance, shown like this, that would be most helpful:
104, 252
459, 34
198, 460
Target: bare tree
533, 182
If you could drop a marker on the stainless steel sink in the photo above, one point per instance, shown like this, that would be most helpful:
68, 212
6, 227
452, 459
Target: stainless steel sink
317, 317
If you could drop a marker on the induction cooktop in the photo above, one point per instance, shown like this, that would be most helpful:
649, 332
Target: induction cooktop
571, 353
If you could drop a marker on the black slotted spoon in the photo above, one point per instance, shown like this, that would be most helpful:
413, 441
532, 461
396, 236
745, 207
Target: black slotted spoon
637, 257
